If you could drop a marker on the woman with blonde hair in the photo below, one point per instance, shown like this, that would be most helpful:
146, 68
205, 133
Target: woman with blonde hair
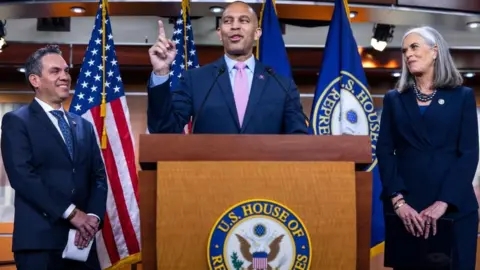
428, 150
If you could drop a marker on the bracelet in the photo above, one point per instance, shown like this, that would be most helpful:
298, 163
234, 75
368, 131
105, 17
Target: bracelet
398, 201
399, 205
72, 214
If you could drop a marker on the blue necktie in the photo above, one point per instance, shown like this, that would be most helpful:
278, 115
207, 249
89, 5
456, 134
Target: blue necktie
67, 133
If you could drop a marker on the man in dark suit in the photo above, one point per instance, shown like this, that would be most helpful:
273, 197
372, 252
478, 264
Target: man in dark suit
55, 167
245, 96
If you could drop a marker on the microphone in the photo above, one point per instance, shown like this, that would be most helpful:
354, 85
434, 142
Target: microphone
221, 70
272, 73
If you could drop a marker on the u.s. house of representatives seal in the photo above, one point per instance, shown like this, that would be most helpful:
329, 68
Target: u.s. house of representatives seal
346, 108
259, 235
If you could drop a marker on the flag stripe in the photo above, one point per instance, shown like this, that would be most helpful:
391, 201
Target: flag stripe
125, 238
128, 149
111, 214
117, 192
102, 252
127, 175
108, 237
117, 211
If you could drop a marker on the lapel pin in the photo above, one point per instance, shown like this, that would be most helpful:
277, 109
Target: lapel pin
441, 101
260, 76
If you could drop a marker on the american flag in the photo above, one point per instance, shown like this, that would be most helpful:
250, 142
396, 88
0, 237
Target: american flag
119, 240
186, 57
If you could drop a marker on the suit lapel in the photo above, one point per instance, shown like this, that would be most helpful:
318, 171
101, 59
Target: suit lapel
256, 90
409, 101
41, 115
226, 89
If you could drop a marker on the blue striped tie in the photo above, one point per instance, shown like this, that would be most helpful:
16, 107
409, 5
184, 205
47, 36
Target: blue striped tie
67, 133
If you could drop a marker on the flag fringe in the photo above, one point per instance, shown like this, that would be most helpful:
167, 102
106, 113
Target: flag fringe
131, 259
377, 249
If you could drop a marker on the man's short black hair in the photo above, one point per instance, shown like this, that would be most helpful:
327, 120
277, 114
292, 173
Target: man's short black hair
34, 62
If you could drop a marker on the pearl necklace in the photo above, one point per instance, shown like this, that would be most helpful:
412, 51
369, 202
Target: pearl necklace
423, 97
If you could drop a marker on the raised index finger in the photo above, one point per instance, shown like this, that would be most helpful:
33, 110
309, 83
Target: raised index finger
161, 29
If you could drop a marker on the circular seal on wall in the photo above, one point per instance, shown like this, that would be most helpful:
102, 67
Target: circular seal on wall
259, 235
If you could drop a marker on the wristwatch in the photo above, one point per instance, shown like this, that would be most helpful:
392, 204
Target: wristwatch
72, 214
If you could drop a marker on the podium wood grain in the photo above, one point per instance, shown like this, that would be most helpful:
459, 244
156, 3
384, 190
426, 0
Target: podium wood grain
191, 196
148, 186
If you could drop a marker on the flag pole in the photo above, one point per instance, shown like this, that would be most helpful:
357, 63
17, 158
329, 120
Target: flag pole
103, 106
347, 9
257, 53
257, 49
185, 9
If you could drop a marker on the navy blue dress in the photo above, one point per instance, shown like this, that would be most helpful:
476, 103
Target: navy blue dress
430, 153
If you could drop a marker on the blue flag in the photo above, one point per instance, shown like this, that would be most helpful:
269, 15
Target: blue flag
343, 105
271, 48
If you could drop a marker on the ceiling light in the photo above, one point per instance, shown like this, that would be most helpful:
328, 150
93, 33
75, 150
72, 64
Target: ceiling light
216, 9
353, 14
473, 24
21, 70
382, 35
469, 74
378, 45
78, 10
396, 74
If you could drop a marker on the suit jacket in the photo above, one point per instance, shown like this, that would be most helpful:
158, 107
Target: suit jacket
46, 179
432, 156
269, 110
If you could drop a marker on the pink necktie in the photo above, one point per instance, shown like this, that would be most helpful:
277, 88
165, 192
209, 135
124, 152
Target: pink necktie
240, 90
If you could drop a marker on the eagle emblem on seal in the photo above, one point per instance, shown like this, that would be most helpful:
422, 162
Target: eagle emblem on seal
259, 259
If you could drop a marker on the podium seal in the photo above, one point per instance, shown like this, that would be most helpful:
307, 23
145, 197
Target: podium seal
259, 235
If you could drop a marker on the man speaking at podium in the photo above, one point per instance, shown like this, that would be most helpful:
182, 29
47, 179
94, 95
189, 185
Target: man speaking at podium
234, 95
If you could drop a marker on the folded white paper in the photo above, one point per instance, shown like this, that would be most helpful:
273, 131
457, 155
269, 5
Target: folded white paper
72, 252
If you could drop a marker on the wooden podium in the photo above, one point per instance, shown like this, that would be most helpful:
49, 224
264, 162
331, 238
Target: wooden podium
187, 183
